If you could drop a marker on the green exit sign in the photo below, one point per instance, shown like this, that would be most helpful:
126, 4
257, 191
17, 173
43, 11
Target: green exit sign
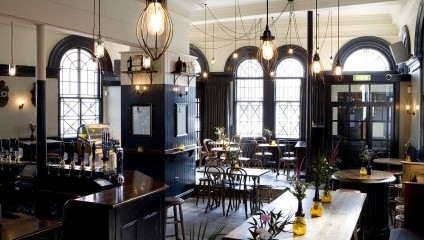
361, 77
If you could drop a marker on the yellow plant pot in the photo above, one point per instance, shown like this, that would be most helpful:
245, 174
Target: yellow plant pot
299, 226
317, 210
363, 171
326, 196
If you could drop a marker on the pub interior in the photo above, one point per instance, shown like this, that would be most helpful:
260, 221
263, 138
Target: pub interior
116, 115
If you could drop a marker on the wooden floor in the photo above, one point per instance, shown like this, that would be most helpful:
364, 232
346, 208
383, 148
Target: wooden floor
194, 215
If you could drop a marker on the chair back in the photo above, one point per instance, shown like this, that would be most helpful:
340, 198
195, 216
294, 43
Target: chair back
208, 144
215, 174
251, 149
237, 179
260, 139
285, 149
236, 139
253, 163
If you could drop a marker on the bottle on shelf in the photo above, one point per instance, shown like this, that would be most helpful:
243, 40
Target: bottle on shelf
129, 64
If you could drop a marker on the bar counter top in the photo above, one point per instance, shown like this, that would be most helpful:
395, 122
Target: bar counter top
137, 185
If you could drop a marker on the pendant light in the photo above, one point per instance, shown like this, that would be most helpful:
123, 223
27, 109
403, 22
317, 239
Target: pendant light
235, 54
316, 65
290, 51
12, 66
338, 70
94, 58
99, 44
154, 29
267, 53
213, 44
205, 74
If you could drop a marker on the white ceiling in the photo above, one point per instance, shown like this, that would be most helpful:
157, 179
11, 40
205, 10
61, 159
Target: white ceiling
357, 18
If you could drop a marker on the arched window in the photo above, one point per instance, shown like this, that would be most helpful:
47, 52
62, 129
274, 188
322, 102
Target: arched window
289, 74
80, 95
366, 54
79, 89
249, 98
366, 59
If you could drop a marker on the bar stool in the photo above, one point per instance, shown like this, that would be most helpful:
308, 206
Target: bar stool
174, 202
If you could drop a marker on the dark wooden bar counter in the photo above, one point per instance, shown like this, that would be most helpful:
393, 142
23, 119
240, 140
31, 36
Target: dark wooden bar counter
134, 210
22, 226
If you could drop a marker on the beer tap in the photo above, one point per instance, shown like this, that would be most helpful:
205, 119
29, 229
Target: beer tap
105, 149
9, 148
61, 154
119, 170
16, 152
70, 155
93, 158
82, 165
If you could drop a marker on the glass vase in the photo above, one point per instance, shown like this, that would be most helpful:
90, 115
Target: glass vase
363, 171
326, 195
369, 170
299, 225
317, 210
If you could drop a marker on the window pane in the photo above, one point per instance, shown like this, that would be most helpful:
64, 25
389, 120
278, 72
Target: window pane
382, 92
360, 93
366, 59
249, 97
249, 118
287, 119
290, 67
287, 90
340, 93
79, 92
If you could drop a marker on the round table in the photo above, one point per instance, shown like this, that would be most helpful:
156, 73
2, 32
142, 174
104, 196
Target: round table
374, 219
389, 161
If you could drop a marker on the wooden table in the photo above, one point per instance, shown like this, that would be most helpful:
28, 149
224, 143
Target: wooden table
27, 227
337, 223
375, 217
396, 162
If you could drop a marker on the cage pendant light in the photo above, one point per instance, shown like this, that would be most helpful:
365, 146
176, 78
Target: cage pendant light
338, 69
154, 29
267, 53
99, 44
12, 66
94, 58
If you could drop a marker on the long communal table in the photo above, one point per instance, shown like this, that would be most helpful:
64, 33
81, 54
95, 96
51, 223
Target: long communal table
337, 223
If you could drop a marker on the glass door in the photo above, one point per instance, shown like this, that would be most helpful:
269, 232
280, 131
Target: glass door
362, 114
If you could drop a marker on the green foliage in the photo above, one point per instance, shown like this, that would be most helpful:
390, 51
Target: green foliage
325, 166
201, 232
267, 132
366, 155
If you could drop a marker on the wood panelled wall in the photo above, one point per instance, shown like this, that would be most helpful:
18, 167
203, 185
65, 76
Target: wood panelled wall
176, 170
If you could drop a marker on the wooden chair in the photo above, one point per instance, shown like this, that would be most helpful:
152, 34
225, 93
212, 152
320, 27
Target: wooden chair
286, 157
256, 163
217, 187
263, 154
236, 139
238, 189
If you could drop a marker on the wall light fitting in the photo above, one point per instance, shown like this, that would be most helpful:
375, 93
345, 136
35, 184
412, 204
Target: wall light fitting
412, 112
141, 91
21, 106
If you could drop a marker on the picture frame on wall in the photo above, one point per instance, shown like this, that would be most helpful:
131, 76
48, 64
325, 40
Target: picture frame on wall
181, 113
141, 120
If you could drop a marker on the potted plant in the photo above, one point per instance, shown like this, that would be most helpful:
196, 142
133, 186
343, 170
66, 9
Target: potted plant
298, 189
268, 134
268, 225
365, 156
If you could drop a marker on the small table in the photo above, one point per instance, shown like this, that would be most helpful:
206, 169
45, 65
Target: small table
389, 161
375, 215
27, 227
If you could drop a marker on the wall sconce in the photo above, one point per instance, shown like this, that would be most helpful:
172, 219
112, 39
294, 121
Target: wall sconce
21, 106
139, 91
409, 111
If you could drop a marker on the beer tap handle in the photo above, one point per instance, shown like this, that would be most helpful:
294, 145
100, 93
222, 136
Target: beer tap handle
120, 156
93, 157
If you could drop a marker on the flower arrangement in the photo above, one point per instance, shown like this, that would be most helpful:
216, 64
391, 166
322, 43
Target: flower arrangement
220, 132
269, 224
298, 188
267, 133
366, 155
